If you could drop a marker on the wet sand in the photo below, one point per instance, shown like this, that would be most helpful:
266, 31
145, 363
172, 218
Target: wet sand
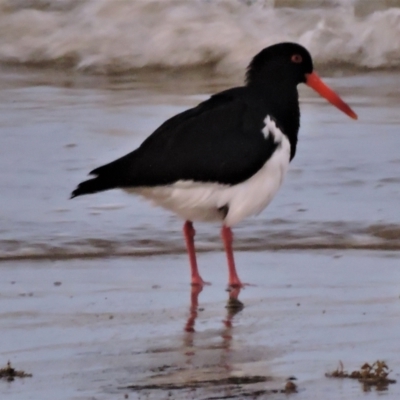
100, 329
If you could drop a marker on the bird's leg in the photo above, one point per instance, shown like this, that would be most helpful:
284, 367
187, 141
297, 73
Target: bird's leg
227, 238
189, 232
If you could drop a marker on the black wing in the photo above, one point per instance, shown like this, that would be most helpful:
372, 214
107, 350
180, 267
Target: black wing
220, 140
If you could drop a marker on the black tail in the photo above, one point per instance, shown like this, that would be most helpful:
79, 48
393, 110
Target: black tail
118, 173
94, 185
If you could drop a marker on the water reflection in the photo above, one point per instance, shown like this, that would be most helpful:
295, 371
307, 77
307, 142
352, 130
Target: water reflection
234, 305
193, 310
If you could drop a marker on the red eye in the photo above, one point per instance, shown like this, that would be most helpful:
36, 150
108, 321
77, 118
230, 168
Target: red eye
297, 58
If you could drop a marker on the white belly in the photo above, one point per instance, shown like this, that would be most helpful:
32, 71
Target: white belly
197, 201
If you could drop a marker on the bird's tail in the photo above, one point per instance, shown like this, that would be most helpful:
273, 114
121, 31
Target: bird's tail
94, 185
118, 173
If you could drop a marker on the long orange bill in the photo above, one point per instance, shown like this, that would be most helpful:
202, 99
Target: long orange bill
315, 82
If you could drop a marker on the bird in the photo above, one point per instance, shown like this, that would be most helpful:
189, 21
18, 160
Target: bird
225, 159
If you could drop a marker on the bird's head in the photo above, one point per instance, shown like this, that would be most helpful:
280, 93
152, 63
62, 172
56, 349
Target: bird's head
290, 64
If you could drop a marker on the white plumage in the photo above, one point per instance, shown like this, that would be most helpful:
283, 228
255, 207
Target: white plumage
197, 201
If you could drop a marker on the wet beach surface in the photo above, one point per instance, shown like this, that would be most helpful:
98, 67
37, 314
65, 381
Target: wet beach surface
100, 329
94, 292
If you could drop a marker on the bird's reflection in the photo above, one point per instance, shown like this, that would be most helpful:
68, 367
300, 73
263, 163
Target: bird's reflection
234, 305
193, 310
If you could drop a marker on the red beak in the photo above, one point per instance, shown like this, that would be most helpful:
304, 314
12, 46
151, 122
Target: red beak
315, 82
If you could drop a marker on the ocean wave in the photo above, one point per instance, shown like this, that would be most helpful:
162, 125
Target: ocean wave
104, 36
280, 235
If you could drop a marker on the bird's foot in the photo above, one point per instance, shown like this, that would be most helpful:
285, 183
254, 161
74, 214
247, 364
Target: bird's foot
198, 281
238, 285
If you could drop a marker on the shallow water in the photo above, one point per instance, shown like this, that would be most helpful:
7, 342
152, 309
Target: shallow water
342, 189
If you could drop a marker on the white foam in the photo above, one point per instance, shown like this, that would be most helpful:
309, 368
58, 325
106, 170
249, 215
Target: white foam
119, 35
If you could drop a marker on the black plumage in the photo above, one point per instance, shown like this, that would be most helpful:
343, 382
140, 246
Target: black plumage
222, 139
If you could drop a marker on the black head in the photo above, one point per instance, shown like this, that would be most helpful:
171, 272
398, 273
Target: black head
285, 62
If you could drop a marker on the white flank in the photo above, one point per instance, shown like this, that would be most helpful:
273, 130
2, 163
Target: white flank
198, 201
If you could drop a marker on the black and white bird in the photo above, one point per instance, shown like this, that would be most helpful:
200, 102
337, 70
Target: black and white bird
225, 159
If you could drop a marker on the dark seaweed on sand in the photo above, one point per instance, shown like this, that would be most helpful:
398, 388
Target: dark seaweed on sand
369, 375
9, 373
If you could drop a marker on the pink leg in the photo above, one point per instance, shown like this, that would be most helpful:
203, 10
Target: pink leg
189, 232
227, 238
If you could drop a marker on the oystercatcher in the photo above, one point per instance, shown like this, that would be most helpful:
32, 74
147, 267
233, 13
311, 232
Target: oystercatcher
225, 159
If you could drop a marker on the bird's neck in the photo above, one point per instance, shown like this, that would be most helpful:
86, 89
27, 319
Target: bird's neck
282, 101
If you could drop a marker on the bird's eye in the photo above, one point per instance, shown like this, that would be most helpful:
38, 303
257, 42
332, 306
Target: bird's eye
297, 58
